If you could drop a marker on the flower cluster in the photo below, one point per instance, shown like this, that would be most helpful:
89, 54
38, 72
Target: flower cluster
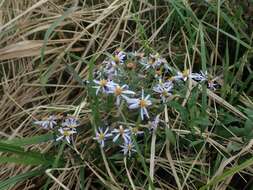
139, 82
65, 127
118, 134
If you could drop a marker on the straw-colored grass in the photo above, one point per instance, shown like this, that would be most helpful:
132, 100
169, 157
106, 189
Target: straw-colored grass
46, 49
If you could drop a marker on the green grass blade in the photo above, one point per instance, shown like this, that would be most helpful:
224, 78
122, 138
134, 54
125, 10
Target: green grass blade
30, 140
19, 178
230, 172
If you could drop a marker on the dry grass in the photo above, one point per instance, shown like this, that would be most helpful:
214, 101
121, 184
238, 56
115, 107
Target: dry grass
41, 40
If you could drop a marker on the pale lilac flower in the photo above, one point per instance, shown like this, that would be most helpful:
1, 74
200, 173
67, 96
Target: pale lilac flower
103, 85
164, 89
47, 122
71, 123
200, 76
135, 131
153, 61
182, 75
120, 91
119, 57
101, 136
141, 103
128, 148
185, 75
65, 133
154, 123
212, 85
204, 77
111, 72
121, 132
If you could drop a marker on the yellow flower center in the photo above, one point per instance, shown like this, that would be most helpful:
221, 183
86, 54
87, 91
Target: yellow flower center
165, 93
101, 136
129, 147
116, 59
143, 103
151, 61
171, 78
158, 72
185, 73
118, 91
103, 82
121, 130
135, 130
66, 133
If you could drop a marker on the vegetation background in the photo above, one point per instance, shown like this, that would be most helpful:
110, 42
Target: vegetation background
47, 48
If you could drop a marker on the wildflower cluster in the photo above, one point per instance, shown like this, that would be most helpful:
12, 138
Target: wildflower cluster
139, 83
65, 127
119, 134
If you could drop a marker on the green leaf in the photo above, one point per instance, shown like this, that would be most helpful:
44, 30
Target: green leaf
25, 156
56, 162
23, 159
50, 31
21, 177
30, 140
46, 75
228, 173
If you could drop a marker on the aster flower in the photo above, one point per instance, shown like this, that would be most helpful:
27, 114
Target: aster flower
71, 123
154, 123
141, 103
164, 89
135, 131
65, 133
120, 91
119, 57
47, 122
182, 75
128, 148
200, 76
101, 136
153, 61
110, 71
204, 77
212, 85
121, 132
136, 54
187, 75
103, 85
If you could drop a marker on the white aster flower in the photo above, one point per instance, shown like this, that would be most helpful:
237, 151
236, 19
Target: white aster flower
185, 75
71, 123
47, 122
182, 75
141, 103
212, 85
65, 133
205, 77
119, 57
153, 61
101, 136
110, 69
164, 89
120, 91
103, 85
128, 148
121, 132
135, 131
200, 76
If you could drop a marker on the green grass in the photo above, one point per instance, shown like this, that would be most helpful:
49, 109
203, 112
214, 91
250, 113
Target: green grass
48, 52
